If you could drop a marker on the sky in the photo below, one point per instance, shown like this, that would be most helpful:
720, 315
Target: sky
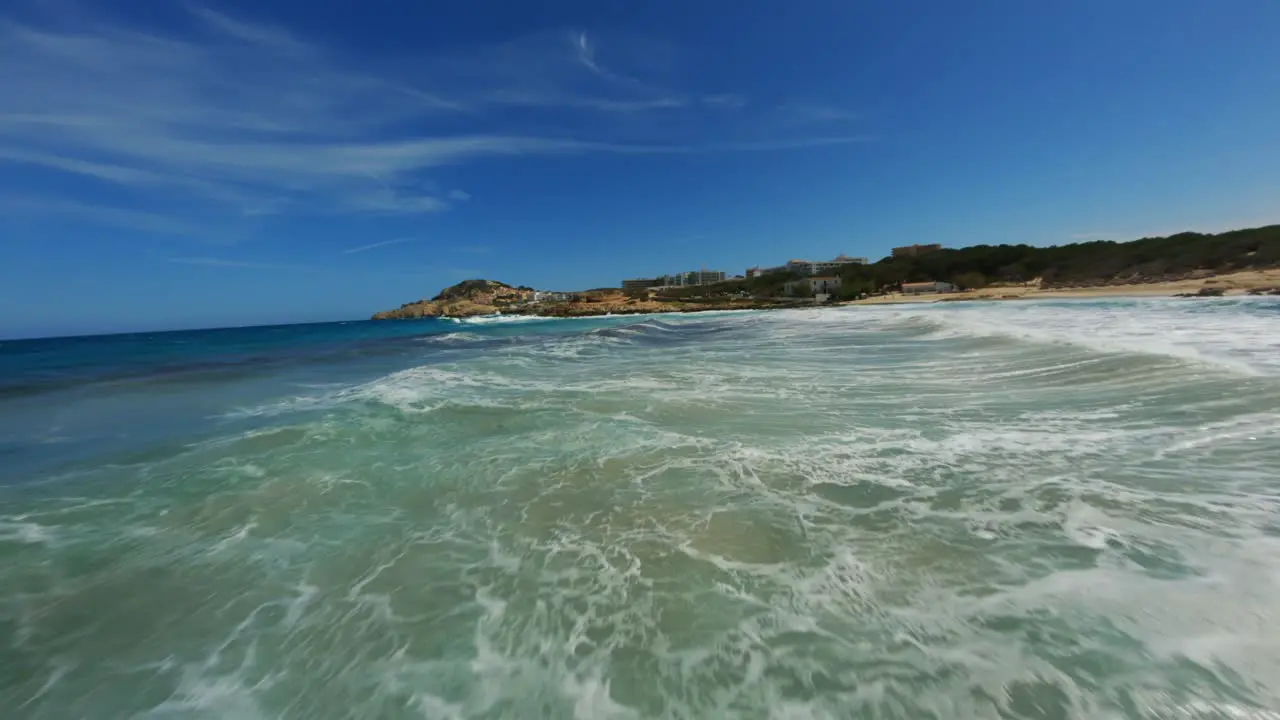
213, 163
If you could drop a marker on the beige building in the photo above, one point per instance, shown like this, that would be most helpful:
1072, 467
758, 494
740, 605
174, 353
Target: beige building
806, 267
927, 288
834, 265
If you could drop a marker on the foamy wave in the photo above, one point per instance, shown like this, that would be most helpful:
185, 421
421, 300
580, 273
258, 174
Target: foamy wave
811, 513
1181, 329
453, 338
503, 319
25, 531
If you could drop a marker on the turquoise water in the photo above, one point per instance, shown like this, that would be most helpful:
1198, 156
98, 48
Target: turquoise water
1019, 510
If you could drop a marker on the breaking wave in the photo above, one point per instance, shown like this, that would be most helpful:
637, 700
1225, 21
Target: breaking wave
1035, 510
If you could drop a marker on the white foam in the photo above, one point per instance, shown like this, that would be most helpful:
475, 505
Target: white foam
1088, 526
1222, 335
501, 319
434, 707
25, 531
863, 506
591, 700
453, 338
235, 537
1247, 428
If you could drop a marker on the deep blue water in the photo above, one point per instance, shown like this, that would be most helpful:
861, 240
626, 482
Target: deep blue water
42, 365
63, 400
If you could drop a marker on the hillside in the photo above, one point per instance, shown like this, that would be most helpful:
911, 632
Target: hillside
1184, 256
1148, 260
486, 297
466, 299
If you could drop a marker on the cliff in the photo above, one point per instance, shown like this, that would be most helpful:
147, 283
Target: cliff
466, 299
487, 297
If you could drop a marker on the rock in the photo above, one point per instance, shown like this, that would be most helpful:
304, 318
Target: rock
1204, 292
487, 297
466, 299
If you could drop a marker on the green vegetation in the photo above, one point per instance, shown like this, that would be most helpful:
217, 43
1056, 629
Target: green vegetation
970, 281
856, 288
1092, 263
467, 288
801, 290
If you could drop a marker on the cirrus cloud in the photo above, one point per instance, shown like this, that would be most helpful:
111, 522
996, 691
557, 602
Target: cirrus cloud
232, 118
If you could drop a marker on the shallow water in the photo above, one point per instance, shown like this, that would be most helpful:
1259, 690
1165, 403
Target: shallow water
1025, 510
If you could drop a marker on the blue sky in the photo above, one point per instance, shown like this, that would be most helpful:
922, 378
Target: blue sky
168, 165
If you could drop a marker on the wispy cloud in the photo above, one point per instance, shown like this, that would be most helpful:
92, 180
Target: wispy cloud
260, 35
375, 246
218, 262
138, 221
726, 101
240, 118
808, 112
587, 56
586, 48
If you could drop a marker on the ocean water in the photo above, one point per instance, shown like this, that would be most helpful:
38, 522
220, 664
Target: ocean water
994, 510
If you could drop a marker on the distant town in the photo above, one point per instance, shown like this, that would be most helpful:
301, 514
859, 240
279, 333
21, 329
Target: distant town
1198, 265
817, 279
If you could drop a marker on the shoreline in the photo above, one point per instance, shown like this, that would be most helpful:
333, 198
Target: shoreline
570, 311
998, 294
1231, 284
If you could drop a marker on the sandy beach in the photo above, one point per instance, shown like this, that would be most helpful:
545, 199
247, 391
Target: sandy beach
1239, 283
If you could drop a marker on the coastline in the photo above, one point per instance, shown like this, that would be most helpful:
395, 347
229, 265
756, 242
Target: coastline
1232, 284
605, 304
611, 304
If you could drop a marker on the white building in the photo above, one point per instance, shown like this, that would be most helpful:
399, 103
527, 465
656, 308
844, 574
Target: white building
807, 267
691, 278
834, 265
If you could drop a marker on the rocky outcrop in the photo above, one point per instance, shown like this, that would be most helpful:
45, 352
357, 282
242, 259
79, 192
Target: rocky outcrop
1203, 292
466, 299
487, 297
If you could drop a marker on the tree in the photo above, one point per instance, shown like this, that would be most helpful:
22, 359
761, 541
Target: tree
800, 289
856, 288
1081, 263
970, 281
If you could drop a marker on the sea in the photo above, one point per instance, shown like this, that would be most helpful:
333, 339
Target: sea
1033, 509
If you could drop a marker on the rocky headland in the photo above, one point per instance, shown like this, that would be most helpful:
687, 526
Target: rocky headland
469, 298
473, 298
